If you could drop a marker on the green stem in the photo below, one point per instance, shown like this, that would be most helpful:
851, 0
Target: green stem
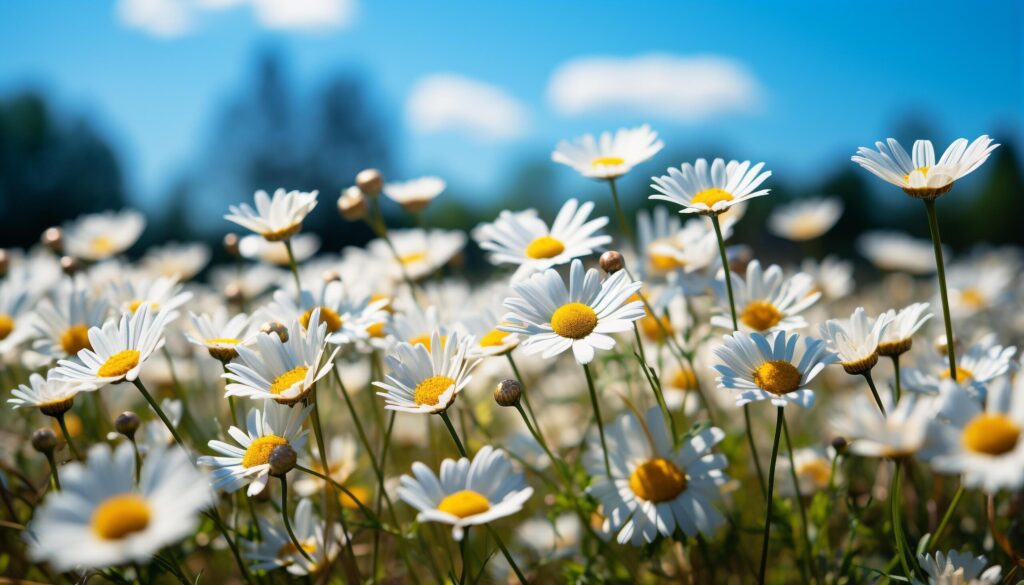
597, 417
725, 268
321, 446
138, 461
897, 518
659, 396
627, 231
67, 436
522, 385
780, 420
294, 267
53, 470
160, 413
380, 487
933, 227
897, 388
507, 555
341, 488
288, 523
800, 502
753, 450
465, 559
874, 391
455, 435
934, 537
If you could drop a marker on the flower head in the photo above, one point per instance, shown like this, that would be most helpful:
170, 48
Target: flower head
766, 300
855, 340
805, 219
710, 190
275, 218
426, 380
609, 156
919, 175
117, 351
102, 235
53, 396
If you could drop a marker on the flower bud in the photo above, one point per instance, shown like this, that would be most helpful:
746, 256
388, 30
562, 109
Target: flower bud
612, 262
231, 244
69, 265
840, 444
282, 460
127, 423
370, 182
508, 393
275, 327
53, 238
233, 293
44, 440
352, 204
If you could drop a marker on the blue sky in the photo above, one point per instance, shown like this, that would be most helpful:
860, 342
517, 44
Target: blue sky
830, 76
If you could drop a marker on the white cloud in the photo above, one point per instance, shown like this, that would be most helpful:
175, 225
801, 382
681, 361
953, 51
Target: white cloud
174, 18
449, 102
680, 88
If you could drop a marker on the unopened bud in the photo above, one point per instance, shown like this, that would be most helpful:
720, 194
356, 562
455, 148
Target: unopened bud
69, 265
44, 440
275, 327
282, 460
231, 244
352, 204
53, 238
508, 393
370, 182
840, 444
127, 423
612, 262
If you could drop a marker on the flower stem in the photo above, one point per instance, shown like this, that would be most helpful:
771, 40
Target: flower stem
597, 416
896, 390
294, 266
67, 436
288, 523
895, 494
455, 435
933, 227
341, 488
659, 396
522, 385
933, 538
753, 450
725, 268
627, 232
53, 470
780, 420
874, 391
160, 413
800, 502
507, 555
462, 554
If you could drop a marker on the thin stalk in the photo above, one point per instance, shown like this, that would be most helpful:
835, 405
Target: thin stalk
160, 413
67, 436
293, 266
874, 391
659, 396
597, 417
138, 460
54, 476
725, 268
507, 555
455, 435
215, 516
288, 523
341, 488
465, 558
897, 388
801, 504
627, 231
933, 538
522, 385
380, 487
895, 493
328, 500
780, 420
753, 450
933, 227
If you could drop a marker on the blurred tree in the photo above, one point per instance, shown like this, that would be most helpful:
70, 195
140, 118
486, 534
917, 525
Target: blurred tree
52, 168
991, 212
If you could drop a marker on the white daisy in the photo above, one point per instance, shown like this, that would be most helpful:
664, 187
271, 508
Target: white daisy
983, 443
415, 195
160, 294
415, 326
102, 235
978, 285
813, 471
920, 175
62, 323
284, 371
554, 317
983, 362
220, 334
897, 252
488, 340
524, 239
176, 260
855, 340
254, 247
832, 276
275, 548
654, 487
805, 219
771, 368
100, 518
275, 218
425, 380
347, 315
904, 430
249, 462
899, 335
608, 157
118, 349
419, 252
17, 324
765, 300
699, 188
53, 396
656, 231
959, 568
466, 493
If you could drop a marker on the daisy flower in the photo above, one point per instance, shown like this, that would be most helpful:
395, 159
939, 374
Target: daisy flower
160, 294
275, 218
765, 299
415, 195
63, 322
813, 471
959, 568
100, 518
977, 285
53, 397
899, 335
983, 442
654, 487
419, 252
832, 276
772, 368
249, 462
284, 371
983, 362
348, 316
656, 231
707, 190
118, 349
220, 334
919, 175
554, 317
425, 380
897, 252
608, 157
176, 260
275, 548
415, 326
805, 219
102, 235
524, 239
466, 493
855, 340
488, 340
16, 322
254, 247
904, 431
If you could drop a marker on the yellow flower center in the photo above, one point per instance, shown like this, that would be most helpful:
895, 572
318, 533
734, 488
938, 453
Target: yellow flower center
75, 339
101, 245
711, 196
817, 470
288, 549
760, 315
288, 379
650, 328
777, 377
380, 297
6, 326
327, 315
223, 341
574, 320
282, 234
376, 330
348, 502
657, 480
607, 161
430, 390
973, 298
924, 171
991, 434
664, 262
962, 375
134, 305
258, 452
493, 338
464, 503
119, 364
545, 247
120, 516
424, 340
684, 379
412, 258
